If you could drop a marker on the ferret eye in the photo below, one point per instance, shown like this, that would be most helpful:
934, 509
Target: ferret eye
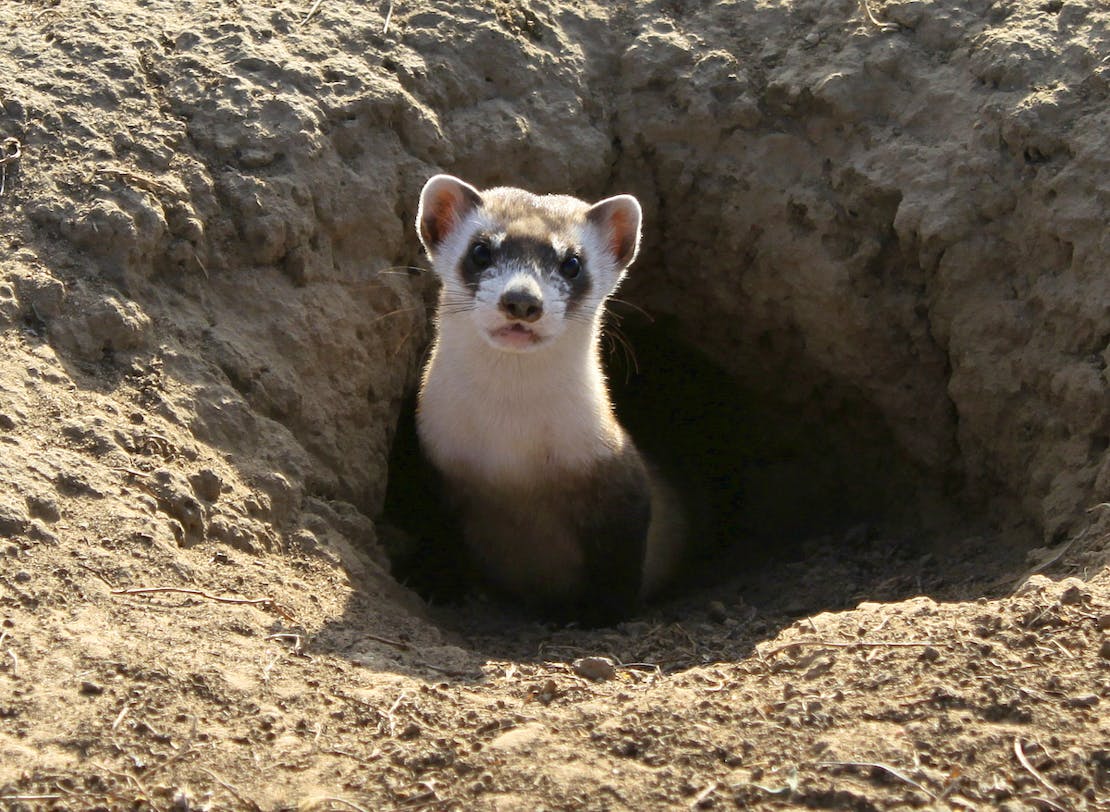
571, 267
481, 255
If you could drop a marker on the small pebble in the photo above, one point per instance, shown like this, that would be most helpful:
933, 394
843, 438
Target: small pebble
1104, 650
1074, 594
1083, 701
1103, 621
91, 688
43, 507
930, 654
547, 693
22, 576
596, 668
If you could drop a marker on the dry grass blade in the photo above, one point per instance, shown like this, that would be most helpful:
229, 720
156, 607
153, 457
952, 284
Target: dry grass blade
1050, 804
387, 641
265, 603
30, 797
11, 150
871, 18
1024, 761
702, 796
886, 768
771, 652
311, 12
245, 801
317, 803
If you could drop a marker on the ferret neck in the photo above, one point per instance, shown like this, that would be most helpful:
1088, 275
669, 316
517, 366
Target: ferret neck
568, 369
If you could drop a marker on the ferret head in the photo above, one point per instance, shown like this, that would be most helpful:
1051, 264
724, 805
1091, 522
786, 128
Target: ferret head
524, 268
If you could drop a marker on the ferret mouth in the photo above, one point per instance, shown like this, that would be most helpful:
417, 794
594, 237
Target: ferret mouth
515, 336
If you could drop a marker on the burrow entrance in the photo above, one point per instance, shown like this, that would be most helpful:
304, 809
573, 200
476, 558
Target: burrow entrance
808, 504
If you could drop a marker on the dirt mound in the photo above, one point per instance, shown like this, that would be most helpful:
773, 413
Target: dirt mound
875, 267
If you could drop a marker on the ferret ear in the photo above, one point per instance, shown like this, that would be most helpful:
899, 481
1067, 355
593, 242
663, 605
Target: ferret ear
618, 221
444, 204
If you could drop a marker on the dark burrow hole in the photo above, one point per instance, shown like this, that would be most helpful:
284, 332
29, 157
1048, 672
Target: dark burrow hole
800, 506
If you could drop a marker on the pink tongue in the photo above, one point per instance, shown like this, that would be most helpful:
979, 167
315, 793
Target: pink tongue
515, 335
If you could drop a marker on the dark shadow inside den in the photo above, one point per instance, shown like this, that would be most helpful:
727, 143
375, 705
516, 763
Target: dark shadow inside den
761, 477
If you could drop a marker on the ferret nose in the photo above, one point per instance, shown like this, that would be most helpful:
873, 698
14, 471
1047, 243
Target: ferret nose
520, 305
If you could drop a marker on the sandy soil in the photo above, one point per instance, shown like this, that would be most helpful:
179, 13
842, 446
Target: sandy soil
884, 241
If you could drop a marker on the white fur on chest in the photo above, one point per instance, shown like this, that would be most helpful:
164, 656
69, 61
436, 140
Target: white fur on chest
514, 419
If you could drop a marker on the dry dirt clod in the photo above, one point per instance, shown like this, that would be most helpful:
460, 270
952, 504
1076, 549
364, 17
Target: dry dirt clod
597, 669
1104, 649
929, 654
546, 693
1075, 594
206, 484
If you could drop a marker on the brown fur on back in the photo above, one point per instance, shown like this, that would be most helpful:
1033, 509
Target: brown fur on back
543, 539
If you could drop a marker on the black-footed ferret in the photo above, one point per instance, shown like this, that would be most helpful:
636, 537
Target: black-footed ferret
558, 508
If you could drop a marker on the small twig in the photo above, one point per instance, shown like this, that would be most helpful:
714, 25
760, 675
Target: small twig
447, 672
169, 762
335, 751
312, 804
272, 663
1063, 650
395, 643
298, 645
1024, 761
30, 797
10, 153
389, 713
875, 765
264, 603
422, 802
848, 644
146, 184
247, 802
127, 777
129, 471
873, 20
705, 793
15, 663
122, 713
652, 667
388, 17
98, 574
1049, 803
311, 11
1050, 559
